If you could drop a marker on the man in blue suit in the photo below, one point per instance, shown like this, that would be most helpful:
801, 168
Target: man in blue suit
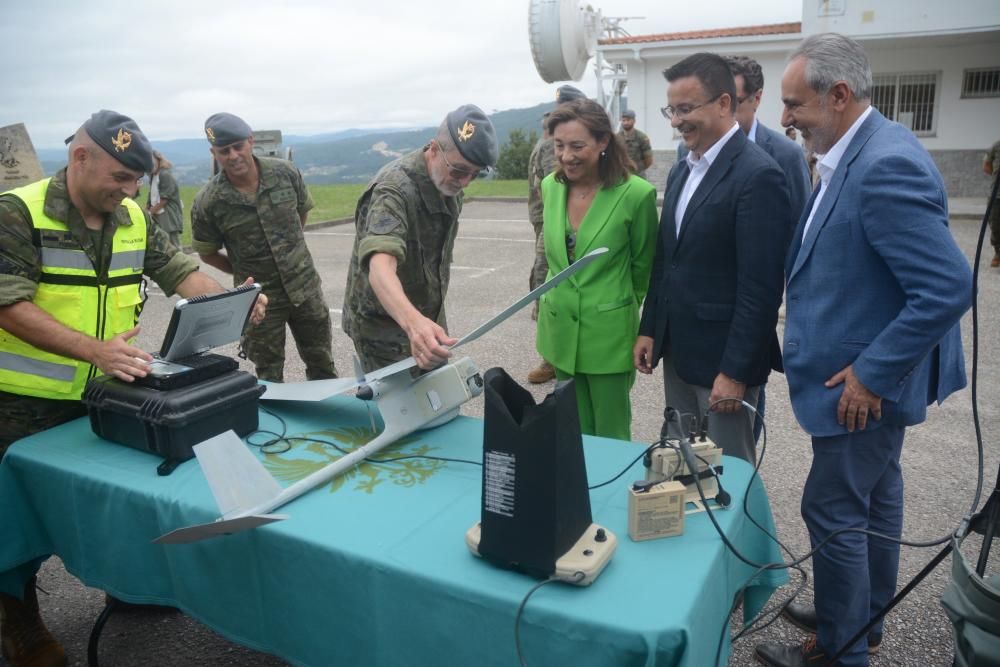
875, 288
712, 305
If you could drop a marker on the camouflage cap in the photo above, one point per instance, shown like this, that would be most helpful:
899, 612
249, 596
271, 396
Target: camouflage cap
222, 129
568, 93
628, 113
473, 135
121, 138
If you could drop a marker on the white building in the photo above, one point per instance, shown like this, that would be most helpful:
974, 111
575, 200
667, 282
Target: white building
936, 69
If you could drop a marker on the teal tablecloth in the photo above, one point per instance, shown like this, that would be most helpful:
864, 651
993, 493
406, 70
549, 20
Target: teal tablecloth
373, 570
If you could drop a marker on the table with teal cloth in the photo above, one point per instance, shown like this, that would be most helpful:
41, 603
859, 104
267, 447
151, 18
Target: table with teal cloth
372, 569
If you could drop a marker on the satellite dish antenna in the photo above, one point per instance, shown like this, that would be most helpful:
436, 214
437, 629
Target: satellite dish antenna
563, 38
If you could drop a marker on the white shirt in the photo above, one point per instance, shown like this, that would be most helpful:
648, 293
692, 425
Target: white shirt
827, 164
699, 167
752, 134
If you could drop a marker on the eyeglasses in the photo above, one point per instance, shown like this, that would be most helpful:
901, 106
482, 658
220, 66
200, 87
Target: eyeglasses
457, 172
684, 109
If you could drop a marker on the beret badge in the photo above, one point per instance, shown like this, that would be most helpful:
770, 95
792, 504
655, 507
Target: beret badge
122, 141
466, 131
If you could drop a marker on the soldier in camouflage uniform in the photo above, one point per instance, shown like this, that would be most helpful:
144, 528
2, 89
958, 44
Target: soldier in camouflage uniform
167, 210
256, 207
406, 223
991, 166
636, 143
79, 220
541, 163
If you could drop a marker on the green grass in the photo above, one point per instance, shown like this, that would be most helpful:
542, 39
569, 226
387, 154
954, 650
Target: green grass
338, 201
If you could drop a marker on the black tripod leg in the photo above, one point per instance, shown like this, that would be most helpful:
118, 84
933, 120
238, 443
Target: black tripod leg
863, 632
95, 632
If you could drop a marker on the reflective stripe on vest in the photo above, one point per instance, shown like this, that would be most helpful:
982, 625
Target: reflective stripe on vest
70, 290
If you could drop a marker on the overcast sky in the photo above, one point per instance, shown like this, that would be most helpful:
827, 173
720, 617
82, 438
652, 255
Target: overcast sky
302, 66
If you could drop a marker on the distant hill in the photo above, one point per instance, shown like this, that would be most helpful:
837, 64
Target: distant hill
346, 156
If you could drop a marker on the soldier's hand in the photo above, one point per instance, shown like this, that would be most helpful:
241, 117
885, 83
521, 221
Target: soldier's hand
427, 344
259, 306
117, 358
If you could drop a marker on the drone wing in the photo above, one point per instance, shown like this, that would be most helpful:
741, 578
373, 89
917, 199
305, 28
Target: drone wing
313, 390
531, 296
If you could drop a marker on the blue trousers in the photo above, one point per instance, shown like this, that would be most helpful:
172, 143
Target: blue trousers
855, 482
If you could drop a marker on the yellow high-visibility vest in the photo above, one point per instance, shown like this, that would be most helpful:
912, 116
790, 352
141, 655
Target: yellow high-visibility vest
70, 290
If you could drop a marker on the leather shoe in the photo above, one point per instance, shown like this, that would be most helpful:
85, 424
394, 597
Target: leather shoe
996, 260
782, 655
542, 374
24, 639
803, 616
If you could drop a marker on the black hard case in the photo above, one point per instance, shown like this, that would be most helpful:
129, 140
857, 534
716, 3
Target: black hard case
170, 423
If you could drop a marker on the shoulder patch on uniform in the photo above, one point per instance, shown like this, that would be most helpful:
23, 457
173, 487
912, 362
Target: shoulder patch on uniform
385, 224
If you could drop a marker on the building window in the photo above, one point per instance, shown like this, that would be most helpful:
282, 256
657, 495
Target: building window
982, 82
909, 99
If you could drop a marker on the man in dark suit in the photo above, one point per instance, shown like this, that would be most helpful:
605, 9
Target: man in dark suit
789, 156
876, 286
714, 294
749, 80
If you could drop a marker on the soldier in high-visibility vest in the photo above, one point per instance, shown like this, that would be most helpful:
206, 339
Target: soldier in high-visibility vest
73, 250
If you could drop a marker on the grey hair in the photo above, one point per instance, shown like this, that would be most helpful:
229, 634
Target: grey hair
830, 58
443, 137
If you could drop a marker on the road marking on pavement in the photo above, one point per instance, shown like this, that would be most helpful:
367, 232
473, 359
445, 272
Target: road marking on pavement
461, 237
480, 271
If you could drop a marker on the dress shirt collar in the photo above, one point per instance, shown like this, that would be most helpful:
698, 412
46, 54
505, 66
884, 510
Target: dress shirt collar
752, 134
827, 164
713, 152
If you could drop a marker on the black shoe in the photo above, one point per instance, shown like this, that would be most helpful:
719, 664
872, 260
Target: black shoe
782, 655
803, 616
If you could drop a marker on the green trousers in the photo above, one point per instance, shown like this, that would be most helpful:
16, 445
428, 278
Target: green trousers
603, 403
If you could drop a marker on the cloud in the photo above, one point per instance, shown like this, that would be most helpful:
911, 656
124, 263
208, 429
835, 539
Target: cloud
301, 66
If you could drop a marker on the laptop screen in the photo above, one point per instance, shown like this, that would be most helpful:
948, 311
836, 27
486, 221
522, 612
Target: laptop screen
204, 322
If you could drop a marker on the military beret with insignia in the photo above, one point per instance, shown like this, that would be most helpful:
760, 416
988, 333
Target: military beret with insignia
473, 135
222, 129
628, 113
568, 93
121, 138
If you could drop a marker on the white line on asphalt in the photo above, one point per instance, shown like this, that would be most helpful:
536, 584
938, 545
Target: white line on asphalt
461, 237
480, 271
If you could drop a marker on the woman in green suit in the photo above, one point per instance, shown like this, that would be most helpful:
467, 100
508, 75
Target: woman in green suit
586, 325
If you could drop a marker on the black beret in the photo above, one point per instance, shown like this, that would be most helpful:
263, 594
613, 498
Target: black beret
628, 113
223, 129
121, 138
568, 93
473, 135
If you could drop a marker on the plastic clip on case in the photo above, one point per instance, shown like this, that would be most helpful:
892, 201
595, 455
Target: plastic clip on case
171, 423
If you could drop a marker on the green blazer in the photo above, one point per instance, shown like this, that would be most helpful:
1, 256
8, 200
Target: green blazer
588, 324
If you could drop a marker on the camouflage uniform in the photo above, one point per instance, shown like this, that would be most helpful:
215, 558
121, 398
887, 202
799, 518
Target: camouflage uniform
171, 217
638, 148
20, 270
993, 157
263, 238
403, 214
541, 163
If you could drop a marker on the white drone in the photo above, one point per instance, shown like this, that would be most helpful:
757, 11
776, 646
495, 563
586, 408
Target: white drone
246, 493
